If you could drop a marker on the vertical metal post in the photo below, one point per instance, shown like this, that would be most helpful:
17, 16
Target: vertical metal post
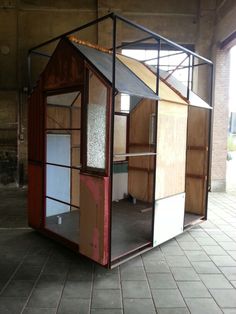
112, 126
155, 137
208, 181
189, 67
29, 72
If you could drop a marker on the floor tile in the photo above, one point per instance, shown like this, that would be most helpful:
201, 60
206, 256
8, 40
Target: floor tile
172, 250
74, 306
229, 272
137, 261
47, 295
135, 289
202, 306
18, 288
233, 283
231, 246
205, 268
107, 282
224, 297
213, 281
178, 261
184, 274
79, 272
193, 289
173, 311
106, 311
26, 272
77, 289
197, 256
214, 250
106, 299
29, 310
161, 281
154, 255
229, 311
190, 246
156, 266
223, 261
206, 241
139, 306
168, 298
8, 305
134, 273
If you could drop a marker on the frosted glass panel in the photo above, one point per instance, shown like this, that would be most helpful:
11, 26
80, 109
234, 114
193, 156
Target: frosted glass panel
96, 123
96, 135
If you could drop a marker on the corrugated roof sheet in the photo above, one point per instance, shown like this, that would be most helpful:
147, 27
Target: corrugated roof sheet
126, 81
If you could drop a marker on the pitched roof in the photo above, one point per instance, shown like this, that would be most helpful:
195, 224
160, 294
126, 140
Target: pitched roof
126, 80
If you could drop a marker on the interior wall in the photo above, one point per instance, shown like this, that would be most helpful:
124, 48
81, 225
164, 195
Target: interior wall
24, 24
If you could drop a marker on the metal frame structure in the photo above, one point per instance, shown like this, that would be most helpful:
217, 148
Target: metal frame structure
159, 41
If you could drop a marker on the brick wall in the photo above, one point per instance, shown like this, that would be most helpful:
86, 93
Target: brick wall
220, 119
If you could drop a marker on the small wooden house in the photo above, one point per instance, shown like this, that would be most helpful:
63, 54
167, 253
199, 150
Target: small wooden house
112, 182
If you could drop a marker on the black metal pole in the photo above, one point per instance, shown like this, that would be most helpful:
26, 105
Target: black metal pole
41, 54
77, 29
29, 72
133, 42
209, 160
155, 139
171, 43
112, 127
189, 69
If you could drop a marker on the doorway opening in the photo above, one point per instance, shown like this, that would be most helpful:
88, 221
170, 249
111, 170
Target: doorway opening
133, 174
62, 164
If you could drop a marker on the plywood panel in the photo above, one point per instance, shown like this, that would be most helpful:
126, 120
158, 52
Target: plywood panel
149, 78
94, 217
76, 118
58, 117
140, 184
171, 149
197, 159
196, 162
195, 196
120, 136
198, 127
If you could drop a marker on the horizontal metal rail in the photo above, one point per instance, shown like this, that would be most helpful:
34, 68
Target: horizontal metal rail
135, 154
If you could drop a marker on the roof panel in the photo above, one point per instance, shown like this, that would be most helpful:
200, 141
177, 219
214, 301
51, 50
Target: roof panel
147, 76
126, 81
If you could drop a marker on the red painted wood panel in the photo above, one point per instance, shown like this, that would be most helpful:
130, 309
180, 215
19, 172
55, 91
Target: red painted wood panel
35, 195
65, 68
94, 218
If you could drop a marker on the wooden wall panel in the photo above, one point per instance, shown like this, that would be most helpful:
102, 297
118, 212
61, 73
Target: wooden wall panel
171, 149
140, 169
197, 158
65, 68
120, 136
36, 125
35, 195
58, 117
94, 218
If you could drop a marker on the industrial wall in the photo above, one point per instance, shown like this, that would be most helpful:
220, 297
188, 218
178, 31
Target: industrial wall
26, 23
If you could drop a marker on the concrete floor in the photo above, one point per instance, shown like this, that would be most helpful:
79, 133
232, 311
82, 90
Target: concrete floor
193, 273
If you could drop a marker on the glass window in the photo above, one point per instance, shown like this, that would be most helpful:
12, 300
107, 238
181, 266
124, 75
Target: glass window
96, 123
